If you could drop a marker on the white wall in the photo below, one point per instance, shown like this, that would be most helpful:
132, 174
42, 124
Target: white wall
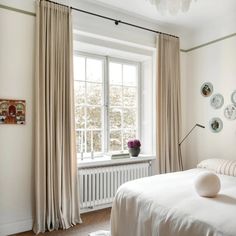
16, 82
211, 31
214, 63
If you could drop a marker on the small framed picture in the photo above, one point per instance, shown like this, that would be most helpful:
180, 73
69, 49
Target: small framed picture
12, 111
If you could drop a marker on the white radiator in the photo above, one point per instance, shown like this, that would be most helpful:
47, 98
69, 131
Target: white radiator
99, 185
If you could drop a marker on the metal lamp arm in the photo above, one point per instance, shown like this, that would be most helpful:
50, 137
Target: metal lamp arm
197, 125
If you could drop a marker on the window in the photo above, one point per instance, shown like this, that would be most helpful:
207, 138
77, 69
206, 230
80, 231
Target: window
106, 103
123, 105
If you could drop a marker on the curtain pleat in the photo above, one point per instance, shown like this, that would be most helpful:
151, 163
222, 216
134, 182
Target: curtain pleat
168, 104
56, 187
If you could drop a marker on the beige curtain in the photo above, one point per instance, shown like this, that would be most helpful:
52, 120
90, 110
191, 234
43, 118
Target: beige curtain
56, 194
168, 104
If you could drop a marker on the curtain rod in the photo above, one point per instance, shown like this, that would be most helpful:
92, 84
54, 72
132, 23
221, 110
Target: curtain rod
117, 22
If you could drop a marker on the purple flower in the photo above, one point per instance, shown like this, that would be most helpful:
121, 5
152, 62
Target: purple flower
134, 143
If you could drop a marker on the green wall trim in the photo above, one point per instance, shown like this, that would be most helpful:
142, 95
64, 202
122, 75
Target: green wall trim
209, 43
17, 10
182, 50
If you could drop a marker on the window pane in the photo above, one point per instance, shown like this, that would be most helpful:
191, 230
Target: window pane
94, 70
79, 88
94, 118
129, 75
80, 141
115, 73
130, 96
94, 94
79, 68
127, 135
115, 141
77, 142
88, 141
79, 117
129, 118
115, 118
115, 95
97, 141
94, 141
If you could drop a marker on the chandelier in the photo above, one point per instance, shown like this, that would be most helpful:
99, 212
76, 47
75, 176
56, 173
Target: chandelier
171, 6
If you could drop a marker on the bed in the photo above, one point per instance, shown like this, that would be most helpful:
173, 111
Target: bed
168, 205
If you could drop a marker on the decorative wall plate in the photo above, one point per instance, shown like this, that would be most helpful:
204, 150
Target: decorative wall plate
216, 125
233, 97
207, 89
217, 101
230, 112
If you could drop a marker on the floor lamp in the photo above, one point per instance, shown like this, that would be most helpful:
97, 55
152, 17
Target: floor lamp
196, 125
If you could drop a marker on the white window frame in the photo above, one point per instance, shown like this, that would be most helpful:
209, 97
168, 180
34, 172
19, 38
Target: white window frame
105, 101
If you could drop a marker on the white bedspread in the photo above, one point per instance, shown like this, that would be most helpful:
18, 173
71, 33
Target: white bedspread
167, 205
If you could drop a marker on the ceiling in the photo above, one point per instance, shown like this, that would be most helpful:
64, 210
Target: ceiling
202, 12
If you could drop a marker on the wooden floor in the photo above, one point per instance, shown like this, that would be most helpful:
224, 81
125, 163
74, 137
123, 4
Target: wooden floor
98, 220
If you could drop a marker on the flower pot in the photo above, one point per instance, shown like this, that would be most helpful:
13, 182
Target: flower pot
134, 152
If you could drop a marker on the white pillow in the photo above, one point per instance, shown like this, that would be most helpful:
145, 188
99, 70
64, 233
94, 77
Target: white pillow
211, 164
207, 184
220, 166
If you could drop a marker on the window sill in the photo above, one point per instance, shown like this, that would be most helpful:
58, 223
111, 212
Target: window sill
107, 161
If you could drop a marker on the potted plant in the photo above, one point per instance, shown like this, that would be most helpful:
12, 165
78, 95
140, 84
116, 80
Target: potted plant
134, 147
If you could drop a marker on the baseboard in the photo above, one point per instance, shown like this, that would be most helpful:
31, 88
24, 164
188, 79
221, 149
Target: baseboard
16, 227
104, 206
